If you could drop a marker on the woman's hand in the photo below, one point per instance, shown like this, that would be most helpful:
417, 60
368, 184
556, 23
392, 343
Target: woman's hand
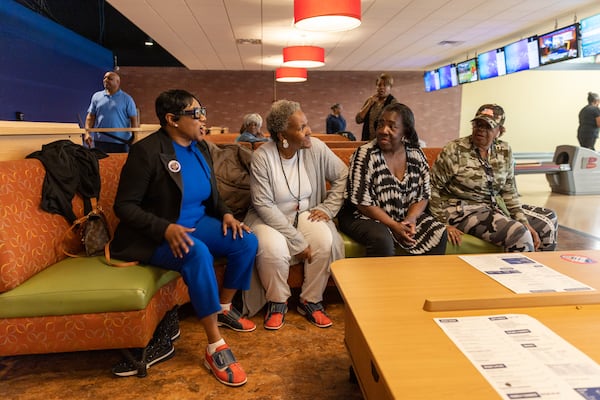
179, 240
536, 238
305, 254
405, 231
237, 227
317, 215
454, 235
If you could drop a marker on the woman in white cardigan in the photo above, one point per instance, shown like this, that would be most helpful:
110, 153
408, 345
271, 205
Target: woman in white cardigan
291, 214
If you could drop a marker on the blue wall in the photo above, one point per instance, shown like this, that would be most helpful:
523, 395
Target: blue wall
46, 71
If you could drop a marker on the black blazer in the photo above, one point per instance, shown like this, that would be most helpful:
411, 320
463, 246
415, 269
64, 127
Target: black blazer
149, 197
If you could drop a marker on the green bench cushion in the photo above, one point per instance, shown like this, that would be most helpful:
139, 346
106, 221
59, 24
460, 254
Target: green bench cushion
470, 245
84, 285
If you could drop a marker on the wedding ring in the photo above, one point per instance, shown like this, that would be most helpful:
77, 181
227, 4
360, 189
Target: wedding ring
241, 224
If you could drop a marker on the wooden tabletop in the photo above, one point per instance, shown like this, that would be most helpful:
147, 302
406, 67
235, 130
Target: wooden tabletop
385, 299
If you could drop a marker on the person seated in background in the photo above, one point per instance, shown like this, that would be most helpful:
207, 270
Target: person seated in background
473, 190
172, 216
335, 122
291, 213
388, 191
250, 130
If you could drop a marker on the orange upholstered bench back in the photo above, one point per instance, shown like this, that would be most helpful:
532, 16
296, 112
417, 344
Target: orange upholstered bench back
31, 238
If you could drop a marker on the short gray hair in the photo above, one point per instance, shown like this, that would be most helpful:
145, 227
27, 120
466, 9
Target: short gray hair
279, 116
254, 117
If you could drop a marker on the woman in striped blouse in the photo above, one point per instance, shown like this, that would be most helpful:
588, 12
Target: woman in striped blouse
388, 191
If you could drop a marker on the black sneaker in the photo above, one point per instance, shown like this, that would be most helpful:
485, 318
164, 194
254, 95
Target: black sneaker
156, 351
159, 349
169, 326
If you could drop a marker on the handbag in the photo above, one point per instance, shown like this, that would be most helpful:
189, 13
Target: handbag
95, 236
93, 231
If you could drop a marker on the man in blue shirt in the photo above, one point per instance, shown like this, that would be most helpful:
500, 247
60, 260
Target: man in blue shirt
111, 108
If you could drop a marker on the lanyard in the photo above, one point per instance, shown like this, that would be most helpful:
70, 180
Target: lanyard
489, 173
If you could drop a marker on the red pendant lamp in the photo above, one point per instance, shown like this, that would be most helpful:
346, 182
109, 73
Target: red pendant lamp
327, 15
287, 74
303, 56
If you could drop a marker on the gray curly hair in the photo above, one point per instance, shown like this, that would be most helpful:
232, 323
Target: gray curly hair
250, 118
279, 115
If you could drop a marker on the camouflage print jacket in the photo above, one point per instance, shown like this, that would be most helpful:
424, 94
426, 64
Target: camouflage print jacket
458, 175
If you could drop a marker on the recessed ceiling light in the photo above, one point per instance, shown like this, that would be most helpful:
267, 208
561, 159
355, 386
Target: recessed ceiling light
451, 43
248, 41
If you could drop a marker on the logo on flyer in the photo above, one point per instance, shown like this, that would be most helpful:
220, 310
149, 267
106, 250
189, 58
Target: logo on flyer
577, 259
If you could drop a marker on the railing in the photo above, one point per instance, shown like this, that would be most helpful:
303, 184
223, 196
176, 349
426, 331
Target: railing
20, 138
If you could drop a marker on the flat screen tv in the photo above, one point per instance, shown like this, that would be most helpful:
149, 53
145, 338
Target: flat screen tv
432, 80
522, 55
467, 71
448, 76
589, 32
491, 64
559, 45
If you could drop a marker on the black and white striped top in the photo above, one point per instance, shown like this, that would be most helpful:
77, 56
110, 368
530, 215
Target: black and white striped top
371, 183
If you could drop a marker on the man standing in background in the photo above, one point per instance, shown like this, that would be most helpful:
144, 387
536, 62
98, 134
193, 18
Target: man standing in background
111, 108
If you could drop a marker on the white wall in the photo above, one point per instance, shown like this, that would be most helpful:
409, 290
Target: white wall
541, 106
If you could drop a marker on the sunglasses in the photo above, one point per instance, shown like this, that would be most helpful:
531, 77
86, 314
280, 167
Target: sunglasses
194, 112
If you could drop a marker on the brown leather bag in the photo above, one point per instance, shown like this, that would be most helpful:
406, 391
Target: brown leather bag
94, 231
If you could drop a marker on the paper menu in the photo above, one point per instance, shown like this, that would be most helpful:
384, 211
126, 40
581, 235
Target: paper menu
522, 275
522, 359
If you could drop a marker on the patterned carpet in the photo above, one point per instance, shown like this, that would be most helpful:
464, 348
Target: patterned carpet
298, 362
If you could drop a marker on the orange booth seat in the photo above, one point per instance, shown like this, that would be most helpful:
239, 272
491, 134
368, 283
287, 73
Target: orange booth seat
52, 303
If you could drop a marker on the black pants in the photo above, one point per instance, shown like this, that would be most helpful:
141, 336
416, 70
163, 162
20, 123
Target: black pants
110, 147
378, 239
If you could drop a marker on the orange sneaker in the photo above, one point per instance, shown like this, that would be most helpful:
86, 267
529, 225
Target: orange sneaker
315, 314
225, 367
275, 316
233, 319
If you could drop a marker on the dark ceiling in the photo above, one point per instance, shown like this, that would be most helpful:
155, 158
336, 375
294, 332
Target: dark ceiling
99, 22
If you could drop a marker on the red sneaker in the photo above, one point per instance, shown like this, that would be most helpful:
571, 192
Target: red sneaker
233, 319
275, 316
225, 367
315, 314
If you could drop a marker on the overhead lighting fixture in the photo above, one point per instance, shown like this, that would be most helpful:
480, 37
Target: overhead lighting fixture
303, 56
287, 74
327, 16
149, 42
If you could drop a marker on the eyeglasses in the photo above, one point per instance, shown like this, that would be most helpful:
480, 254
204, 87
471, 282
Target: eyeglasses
482, 127
194, 112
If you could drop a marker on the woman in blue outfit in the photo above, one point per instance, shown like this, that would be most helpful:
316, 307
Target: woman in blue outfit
172, 216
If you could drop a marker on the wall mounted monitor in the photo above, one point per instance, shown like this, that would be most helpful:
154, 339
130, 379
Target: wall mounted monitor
467, 71
559, 45
432, 80
491, 64
448, 76
522, 55
589, 32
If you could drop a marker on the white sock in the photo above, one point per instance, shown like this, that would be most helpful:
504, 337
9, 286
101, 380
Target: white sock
225, 307
212, 347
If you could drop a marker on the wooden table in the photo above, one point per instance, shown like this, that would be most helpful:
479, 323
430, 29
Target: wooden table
399, 352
